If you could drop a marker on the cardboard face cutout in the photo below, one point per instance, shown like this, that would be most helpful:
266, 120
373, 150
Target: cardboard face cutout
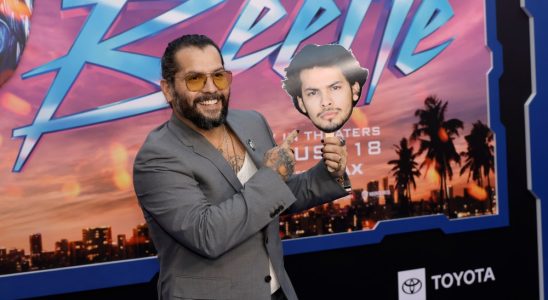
325, 83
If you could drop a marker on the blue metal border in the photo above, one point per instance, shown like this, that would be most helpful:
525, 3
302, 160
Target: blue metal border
73, 279
79, 278
536, 125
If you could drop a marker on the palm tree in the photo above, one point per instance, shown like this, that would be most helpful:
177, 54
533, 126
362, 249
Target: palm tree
405, 170
436, 136
479, 157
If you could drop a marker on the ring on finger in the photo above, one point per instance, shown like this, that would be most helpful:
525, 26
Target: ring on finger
342, 141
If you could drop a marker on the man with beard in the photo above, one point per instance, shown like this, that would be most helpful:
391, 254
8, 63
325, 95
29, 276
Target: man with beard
211, 183
325, 82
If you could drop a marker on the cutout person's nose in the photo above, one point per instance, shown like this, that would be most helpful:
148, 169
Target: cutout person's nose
326, 100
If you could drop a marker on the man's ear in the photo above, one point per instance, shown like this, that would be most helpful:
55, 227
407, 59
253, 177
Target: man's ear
166, 90
355, 91
301, 104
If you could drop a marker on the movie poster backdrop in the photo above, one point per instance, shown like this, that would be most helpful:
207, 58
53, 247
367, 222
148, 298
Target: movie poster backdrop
426, 146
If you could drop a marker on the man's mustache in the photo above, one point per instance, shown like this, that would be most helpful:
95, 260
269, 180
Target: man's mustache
208, 97
328, 110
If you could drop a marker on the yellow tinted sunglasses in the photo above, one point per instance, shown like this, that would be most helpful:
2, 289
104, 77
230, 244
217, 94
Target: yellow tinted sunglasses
196, 81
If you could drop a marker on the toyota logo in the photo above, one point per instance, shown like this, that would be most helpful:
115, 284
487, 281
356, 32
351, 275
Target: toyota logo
411, 286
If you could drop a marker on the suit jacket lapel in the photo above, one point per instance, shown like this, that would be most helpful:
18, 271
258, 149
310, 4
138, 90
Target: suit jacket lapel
201, 146
244, 134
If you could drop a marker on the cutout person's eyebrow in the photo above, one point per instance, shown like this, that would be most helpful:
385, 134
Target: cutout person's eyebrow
334, 83
311, 90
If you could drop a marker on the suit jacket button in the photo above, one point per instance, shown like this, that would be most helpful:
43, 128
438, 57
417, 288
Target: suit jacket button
267, 278
281, 207
266, 240
272, 214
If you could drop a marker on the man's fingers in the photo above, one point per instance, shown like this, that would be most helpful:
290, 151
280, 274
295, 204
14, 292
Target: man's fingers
334, 157
333, 140
290, 139
333, 166
329, 148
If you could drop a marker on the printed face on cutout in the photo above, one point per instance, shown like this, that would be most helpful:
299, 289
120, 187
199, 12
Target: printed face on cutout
327, 97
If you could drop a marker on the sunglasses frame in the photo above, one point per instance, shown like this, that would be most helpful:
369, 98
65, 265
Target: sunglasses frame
226, 73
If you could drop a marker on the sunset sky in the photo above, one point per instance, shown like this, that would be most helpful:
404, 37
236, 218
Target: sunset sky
82, 178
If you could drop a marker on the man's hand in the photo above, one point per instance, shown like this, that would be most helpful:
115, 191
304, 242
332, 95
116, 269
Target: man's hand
281, 158
334, 155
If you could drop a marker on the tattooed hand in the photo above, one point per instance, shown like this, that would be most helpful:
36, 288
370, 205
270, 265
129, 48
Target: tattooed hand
281, 158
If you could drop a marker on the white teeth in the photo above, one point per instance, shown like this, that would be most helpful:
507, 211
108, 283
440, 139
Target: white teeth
209, 102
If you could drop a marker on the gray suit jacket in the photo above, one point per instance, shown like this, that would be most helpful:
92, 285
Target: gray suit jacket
214, 236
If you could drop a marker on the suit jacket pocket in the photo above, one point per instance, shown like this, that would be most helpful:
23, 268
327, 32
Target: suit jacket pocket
192, 287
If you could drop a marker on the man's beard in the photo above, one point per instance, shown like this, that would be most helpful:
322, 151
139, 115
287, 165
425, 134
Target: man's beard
334, 126
191, 111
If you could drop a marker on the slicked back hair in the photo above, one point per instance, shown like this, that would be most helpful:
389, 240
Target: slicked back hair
170, 66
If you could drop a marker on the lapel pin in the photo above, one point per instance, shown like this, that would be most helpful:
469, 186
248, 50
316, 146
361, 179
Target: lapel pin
251, 144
